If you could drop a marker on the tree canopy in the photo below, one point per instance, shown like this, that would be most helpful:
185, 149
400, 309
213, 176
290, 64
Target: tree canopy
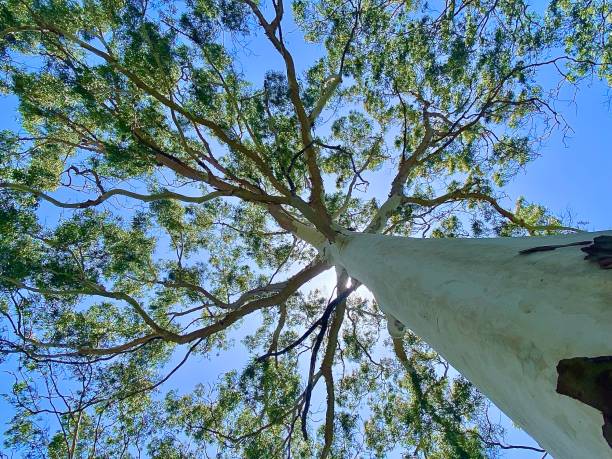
160, 200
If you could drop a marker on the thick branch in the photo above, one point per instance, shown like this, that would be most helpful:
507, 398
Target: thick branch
317, 193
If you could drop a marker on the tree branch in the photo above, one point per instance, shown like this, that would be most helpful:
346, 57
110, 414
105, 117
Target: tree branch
164, 195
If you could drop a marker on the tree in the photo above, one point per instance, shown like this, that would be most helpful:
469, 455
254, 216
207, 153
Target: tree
156, 194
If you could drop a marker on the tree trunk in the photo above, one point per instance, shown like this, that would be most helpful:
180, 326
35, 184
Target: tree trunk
506, 320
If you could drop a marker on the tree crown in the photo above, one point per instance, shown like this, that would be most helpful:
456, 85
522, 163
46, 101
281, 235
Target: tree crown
157, 195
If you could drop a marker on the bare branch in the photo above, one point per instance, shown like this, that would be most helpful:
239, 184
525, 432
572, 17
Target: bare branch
164, 195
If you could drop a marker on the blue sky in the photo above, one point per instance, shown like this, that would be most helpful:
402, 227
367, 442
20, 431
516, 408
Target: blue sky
572, 176
574, 170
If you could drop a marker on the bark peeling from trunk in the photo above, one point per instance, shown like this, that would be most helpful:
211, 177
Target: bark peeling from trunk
589, 380
599, 250
546, 248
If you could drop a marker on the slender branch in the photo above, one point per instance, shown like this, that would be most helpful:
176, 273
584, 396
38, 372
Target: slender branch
279, 327
98, 290
502, 446
329, 87
165, 195
462, 195
305, 275
327, 365
318, 323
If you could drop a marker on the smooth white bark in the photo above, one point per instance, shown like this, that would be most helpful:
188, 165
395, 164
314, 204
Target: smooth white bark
502, 319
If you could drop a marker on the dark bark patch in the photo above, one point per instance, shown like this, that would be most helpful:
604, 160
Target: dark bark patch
546, 248
589, 380
600, 251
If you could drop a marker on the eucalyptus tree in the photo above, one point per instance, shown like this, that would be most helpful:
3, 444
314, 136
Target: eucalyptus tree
159, 198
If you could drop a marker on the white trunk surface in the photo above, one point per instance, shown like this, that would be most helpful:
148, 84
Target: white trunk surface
502, 319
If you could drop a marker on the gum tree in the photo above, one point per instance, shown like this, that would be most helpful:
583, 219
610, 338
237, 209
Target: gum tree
159, 196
